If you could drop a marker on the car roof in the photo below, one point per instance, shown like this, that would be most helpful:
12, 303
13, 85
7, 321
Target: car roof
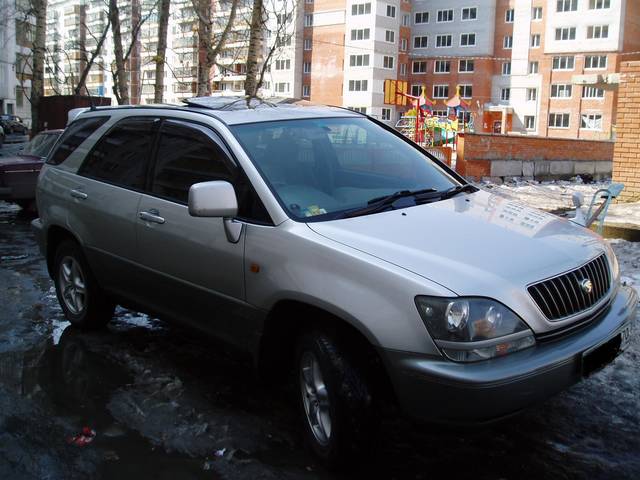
236, 110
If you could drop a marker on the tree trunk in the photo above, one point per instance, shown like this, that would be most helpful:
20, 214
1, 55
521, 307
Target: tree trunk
94, 55
204, 47
255, 46
120, 87
39, 45
163, 24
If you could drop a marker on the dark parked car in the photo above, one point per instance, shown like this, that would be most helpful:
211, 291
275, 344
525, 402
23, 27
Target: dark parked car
13, 124
19, 173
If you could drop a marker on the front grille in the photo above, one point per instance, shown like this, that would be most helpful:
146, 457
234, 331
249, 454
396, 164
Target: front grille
568, 294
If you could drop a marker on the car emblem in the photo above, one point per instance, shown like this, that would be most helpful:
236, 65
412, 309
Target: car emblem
586, 285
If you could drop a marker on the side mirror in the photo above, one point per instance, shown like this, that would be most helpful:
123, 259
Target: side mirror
213, 199
578, 199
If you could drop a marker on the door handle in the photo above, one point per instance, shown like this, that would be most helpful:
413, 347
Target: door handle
78, 194
152, 216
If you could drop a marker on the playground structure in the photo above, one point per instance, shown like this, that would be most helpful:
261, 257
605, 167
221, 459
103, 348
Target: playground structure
420, 124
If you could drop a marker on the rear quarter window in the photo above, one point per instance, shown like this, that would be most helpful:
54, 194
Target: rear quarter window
73, 137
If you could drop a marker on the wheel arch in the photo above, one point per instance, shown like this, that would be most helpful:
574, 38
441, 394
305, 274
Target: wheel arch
55, 236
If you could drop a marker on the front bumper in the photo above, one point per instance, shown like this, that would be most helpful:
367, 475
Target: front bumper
435, 389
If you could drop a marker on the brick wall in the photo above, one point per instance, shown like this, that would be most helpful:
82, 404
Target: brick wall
626, 158
484, 155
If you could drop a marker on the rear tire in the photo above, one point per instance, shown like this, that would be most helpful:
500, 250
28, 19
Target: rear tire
82, 300
335, 400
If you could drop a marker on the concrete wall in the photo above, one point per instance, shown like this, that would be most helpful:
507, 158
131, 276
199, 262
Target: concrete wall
626, 159
482, 155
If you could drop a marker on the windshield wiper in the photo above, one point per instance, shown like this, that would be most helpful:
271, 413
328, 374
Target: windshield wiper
379, 204
467, 187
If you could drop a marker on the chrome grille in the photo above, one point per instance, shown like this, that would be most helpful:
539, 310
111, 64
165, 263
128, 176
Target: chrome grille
568, 294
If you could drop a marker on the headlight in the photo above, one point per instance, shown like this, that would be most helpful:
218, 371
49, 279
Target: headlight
471, 329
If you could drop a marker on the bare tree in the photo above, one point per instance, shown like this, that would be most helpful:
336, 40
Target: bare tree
256, 29
163, 24
89, 64
120, 86
209, 47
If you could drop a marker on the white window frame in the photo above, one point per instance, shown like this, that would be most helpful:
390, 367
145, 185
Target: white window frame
507, 42
307, 43
598, 60
308, 20
567, 6
468, 35
463, 88
533, 122
404, 44
509, 15
597, 32
597, 118
437, 63
363, 84
506, 68
415, 16
362, 57
536, 39
444, 35
391, 9
441, 86
569, 31
599, 91
599, 4
406, 20
416, 91
449, 10
386, 117
418, 62
393, 36
469, 9
306, 67
561, 90
505, 94
532, 94
421, 46
306, 91
531, 67
560, 58
403, 69
386, 58
466, 62
356, 7
534, 14
562, 115
360, 32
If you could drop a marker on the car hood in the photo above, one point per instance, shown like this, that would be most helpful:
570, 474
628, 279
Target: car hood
26, 161
477, 244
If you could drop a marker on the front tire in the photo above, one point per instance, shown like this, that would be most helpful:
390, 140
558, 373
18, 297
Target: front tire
82, 300
335, 400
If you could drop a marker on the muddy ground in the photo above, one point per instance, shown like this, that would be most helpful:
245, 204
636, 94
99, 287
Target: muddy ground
169, 404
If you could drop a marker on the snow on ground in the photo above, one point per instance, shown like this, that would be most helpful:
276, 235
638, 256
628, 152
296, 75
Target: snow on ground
557, 194
628, 254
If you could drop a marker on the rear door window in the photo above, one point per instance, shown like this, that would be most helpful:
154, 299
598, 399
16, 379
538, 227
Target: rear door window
121, 156
73, 136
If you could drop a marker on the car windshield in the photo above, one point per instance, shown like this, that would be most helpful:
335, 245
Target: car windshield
40, 145
324, 168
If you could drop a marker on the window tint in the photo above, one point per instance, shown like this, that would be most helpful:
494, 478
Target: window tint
74, 135
187, 155
122, 155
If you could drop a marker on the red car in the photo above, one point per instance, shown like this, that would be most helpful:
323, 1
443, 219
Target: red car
19, 173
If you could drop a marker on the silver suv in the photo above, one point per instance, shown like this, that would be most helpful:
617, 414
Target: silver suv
321, 241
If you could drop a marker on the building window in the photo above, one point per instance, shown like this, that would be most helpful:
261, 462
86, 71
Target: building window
306, 67
559, 120
536, 13
307, 43
443, 41
563, 63
505, 94
308, 20
387, 62
306, 91
469, 13
442, 66
358, 85
359, 60
595, 62
362, 110
467, 39
566, 5
441, 91
360, 34
416, 90
419, 67
507, 41
592, 92
403, 69
529, 122
283, 64
561, 90
421, 17
282, 87
421, 42
599, 4
360, 9
440, 113
445, 16
532, 94
386, 114
465, 66
405, 20
403, 44
390, 36
591, 121
391, 11
598, 31
566, 33
509, 15
534, 67
535, 40
466, 91
506, 68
